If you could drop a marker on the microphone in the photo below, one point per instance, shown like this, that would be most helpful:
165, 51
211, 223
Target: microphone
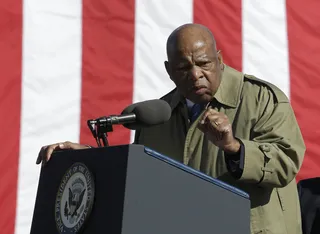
118, 119
136, 116
141, 114
145, 114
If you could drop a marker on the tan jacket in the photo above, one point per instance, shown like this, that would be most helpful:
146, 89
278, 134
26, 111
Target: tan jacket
262, 118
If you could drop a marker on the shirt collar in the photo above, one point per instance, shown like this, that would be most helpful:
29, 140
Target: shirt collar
189, 103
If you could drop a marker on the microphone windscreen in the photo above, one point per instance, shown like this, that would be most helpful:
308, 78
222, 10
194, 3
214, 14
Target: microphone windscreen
148, 113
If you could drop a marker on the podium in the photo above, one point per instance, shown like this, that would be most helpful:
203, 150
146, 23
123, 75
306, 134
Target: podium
131, 189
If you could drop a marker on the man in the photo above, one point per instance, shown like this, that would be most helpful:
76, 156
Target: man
228, 125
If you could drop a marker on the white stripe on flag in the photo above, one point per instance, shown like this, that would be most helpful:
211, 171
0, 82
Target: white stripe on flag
51, 85
265, 47
154, 21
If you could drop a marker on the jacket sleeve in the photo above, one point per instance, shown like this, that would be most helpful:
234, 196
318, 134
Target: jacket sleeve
274, 154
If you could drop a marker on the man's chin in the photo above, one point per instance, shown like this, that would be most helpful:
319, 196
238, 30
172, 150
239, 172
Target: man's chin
201, 99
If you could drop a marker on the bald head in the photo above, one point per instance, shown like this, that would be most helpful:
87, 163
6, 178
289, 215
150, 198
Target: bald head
187, 35
194, 64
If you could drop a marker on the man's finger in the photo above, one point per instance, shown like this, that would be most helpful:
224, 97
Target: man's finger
210, 117
202, 127
40, 154
207, 127
215, 131
215, 120
209, 112
49, 152
70, 145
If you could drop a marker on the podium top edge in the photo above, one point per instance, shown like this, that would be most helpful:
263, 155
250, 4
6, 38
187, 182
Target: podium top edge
196, 173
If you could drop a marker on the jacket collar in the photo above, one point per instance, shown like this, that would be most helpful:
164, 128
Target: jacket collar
228, 93
230, 87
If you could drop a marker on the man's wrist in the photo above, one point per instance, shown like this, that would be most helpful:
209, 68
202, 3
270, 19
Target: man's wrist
233, 148
235, 161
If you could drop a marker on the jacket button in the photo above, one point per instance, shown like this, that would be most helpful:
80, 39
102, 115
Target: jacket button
265, 148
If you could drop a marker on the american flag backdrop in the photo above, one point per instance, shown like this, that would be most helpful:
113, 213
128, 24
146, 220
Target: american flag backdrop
65, 61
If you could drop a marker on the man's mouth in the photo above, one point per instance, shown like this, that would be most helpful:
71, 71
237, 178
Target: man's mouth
201, 89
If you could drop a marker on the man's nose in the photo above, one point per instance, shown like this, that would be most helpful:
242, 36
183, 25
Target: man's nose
195, 73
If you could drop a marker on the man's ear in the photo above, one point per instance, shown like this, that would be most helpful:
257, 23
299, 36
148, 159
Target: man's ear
168, 68
220, 58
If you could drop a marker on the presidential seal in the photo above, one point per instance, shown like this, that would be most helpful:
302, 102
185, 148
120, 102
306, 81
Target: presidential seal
74, 199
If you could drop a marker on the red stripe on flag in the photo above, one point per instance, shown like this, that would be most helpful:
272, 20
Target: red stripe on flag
304, 53
223, 18
107, 63
10, 105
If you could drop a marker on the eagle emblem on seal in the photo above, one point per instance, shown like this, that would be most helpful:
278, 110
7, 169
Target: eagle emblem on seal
76, 194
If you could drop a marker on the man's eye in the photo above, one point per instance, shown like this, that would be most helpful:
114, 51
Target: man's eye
183, 68
205, 65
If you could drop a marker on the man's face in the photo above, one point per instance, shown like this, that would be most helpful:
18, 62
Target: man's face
195, 69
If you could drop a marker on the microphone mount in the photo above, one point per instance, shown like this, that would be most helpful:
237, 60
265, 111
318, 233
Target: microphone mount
99, 129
